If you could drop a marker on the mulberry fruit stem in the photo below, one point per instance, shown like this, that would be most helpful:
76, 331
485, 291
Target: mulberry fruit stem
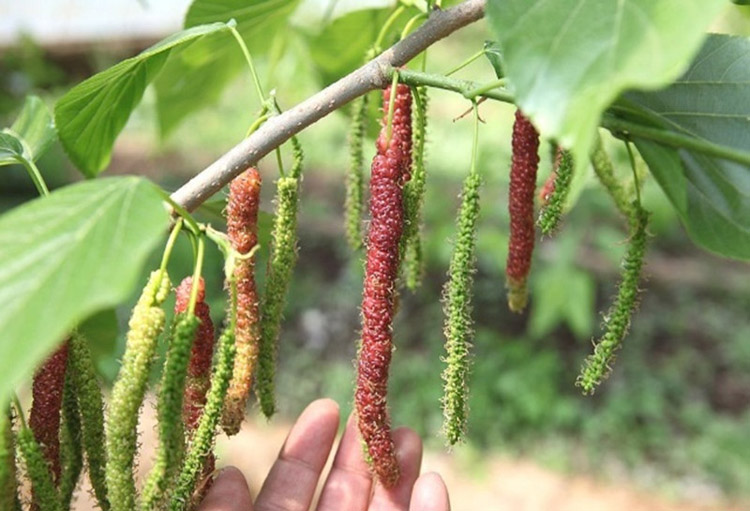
169, 410
45, 495
8, 484
597, 366
606, 173
242, 230
555, 201
414, 190
201, 445
145, 326
457, 306
71, 455
47, 398
280, 266
91, 408
355, 174
388, 171
524, 165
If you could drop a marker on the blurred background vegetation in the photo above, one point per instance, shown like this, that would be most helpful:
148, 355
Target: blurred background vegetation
675, 413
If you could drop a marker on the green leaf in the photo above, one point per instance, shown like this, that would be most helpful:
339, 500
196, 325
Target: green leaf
11, 149
91, 115
495, 56
567, 60
30, 135
34, 127
67, 256
197, 77
341, 47
710, 102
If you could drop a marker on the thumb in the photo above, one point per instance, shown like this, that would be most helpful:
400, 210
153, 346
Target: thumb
229, 492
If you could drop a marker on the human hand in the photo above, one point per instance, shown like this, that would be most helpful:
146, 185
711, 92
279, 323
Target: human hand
291, 483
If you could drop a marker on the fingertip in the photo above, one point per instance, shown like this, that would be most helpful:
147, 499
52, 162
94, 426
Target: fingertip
408, 444
430, 494
229, 492
325, 407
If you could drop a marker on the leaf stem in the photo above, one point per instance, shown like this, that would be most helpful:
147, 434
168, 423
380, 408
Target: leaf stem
170, 244
387, 26
637, 185
19, 410
463, 87
475, 140
630, 130
196, 275
35, 176
466, 62
410, 24
500, 82
391, 107
189, 220
249, 59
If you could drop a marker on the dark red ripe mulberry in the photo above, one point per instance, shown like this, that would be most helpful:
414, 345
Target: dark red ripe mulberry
389, 170
521, 206
44, 418
201, 354
400, 125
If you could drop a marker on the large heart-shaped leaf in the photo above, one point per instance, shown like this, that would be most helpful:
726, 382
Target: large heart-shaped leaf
202, 71
710, 102
67, 256
91, 115
567, 60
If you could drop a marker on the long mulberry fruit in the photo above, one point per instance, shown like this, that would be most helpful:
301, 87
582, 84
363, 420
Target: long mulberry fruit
44, 417
199, 367
91, 409
554, 196
169, 408
457, 305
354, 176
414, 191
521, 207
389, 169
204, 435
617, 321
71, 455
146, 323
44, 491
8, 484
242, 228
280, 267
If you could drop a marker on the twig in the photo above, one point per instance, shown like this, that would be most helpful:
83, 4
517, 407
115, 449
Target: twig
376, 74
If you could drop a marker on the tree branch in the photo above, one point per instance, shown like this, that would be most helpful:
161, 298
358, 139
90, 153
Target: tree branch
277, 130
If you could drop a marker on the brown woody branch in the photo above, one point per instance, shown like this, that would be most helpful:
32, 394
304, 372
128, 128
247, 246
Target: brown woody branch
277, 130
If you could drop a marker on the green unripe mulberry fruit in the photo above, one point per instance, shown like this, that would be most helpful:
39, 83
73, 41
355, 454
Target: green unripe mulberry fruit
146, 323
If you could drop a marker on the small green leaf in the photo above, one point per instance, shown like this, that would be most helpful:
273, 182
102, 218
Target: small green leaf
34, 127
567, 60
91, 115
30, 135
495, 56
67, 256
710, 101
11, 149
